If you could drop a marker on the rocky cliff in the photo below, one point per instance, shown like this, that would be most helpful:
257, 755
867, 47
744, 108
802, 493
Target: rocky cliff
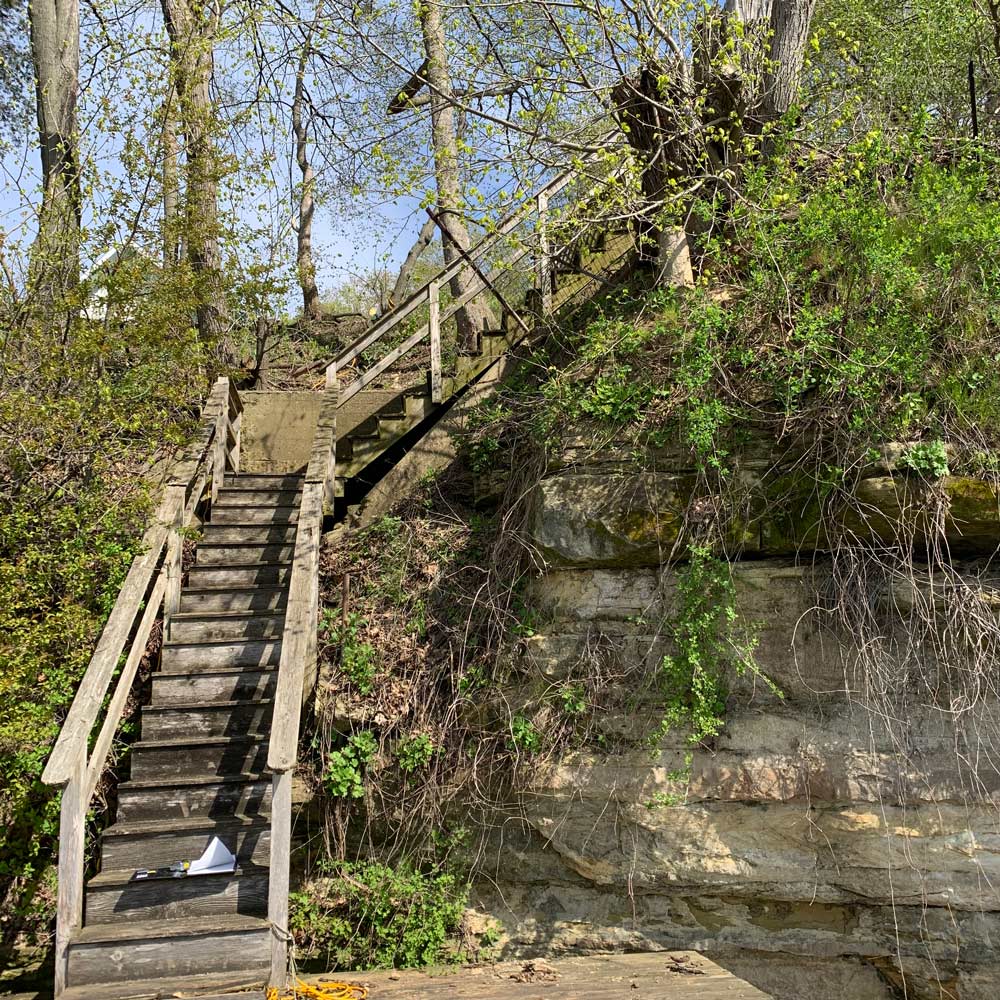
839, 839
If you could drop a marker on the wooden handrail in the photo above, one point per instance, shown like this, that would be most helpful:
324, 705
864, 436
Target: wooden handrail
537, 205
151, 584
297, 670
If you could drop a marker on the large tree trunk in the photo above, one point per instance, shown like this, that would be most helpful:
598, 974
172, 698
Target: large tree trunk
305, 266
55, 52
790, 21
192, 27
171, 182
473, 319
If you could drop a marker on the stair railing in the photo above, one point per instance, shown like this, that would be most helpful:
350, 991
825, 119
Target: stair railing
152, 585
297, 671
537, 209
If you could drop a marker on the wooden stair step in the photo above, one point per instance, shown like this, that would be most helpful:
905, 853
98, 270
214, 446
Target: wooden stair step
202, 601
264, 480
221, 626
257, 496
208, 797
273, 534
206, 719
204, 987
241, 553
188, 757
257, 574
112, 897
151, 844
218, 685
219, 948
178, 656
261, 513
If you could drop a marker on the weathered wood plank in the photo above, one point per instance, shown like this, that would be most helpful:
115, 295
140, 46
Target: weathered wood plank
277, 904
669, 975
434, 324
69, 905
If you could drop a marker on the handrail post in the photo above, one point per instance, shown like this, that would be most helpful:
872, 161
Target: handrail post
219, 451
434, 325
544, 257
174, 556
69, 907
278, 876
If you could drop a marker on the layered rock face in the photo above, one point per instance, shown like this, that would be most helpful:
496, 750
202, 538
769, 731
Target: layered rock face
841, 840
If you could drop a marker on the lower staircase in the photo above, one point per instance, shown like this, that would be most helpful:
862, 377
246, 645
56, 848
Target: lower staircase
198, 770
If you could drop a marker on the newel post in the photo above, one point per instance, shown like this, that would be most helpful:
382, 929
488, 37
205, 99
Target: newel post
173, 558
69, 906
278, 876
544, 256
434, 326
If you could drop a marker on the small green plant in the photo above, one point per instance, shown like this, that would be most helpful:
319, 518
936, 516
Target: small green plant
344, 777
574, 699
928, 459
616, 398
524, 736
368, 915
415, 752
358, 659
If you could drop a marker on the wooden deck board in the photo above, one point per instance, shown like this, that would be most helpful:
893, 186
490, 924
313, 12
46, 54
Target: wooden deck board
668, 975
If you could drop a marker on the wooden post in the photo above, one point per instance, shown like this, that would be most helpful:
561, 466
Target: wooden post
234, 455
434, 325
219, 451
277, 884
69, 907
544, 257
173, 568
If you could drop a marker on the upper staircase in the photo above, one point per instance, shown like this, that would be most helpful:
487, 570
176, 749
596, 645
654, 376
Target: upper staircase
218, 739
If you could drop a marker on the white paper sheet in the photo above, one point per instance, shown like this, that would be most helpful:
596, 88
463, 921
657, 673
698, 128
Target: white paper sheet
217, 859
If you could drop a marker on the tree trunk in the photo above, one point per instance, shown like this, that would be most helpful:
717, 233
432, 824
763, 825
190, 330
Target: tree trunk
171, 182
472, 320
790, 20
402, 279
55, 52
192, 27
305, 266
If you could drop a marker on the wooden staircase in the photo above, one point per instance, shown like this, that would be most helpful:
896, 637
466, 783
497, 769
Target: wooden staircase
218, 741
199, 769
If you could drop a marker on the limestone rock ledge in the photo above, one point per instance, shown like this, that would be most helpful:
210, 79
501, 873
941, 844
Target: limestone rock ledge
815, 850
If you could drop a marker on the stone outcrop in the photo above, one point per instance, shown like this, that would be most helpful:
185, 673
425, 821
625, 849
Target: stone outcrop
816, 848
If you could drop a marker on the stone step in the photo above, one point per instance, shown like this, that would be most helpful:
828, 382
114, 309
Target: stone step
203, 721
242, 553
256, 496
181, 657
126, 955
112, 897
253, 514
276, 574
235, 599
127, 846
191, 757
218, 686
223, 626
206, 797
223, 534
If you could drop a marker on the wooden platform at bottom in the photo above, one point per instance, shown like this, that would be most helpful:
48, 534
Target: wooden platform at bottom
664, 975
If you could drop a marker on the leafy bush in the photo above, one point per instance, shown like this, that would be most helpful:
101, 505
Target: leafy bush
929, 459
367, 915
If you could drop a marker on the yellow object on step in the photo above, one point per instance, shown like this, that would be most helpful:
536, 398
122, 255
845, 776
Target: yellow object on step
320, 991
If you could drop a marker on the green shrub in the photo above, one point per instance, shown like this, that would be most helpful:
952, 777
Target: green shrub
369, 915
343, 775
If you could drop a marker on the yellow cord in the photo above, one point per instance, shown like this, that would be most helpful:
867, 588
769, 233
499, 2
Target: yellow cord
320, 991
